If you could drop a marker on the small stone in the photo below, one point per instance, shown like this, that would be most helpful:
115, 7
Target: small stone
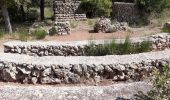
34, 80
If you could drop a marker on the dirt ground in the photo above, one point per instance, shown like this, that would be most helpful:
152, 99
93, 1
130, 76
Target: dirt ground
81, 32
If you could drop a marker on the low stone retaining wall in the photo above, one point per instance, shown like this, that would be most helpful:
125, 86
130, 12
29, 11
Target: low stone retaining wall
75, 48
56, 70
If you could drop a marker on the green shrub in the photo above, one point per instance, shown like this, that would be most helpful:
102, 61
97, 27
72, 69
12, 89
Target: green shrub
23, 36
1, 34
53, 31
126, 47
73, 24
166, 30
95, 8
40, 33
161, 86
145, 46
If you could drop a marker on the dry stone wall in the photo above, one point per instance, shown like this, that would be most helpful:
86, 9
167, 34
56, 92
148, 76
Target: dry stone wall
65, 10
75, 48
57, 70
125, 12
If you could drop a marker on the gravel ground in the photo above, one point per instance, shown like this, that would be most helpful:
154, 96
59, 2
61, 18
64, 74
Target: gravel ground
125, 90
61, 60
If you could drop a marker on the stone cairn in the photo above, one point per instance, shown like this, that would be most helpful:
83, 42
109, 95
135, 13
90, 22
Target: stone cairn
64, 11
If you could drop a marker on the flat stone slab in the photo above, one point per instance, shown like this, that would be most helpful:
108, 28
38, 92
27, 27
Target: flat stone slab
124, 90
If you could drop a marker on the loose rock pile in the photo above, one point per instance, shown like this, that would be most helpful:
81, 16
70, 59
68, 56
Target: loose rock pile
161, 42
104, 25
56, 70
63, 28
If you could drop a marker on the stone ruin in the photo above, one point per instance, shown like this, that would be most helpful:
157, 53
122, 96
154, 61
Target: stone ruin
64, 11
125, 12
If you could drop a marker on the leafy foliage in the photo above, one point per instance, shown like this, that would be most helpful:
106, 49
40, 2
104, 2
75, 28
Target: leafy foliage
161, 86
40, 33
153, 5
96, 7
117, 48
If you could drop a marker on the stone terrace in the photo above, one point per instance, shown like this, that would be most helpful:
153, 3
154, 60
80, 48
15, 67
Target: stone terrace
56, 70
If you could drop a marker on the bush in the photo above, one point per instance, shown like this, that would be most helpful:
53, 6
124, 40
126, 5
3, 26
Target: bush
126, 47
32, 14
153, 5
40, 33
94, 8
118, 48
1, 34
53, 31
23, 36
161, 86
145, 46
166, 30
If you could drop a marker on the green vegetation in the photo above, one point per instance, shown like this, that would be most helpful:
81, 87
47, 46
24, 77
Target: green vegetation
74, 24
40, 33
118, 48
53, 31
23, 36
94, 8
166, 30
161, 86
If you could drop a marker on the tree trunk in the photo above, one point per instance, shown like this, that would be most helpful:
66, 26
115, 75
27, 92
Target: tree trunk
6, 18
23, 13
42, 9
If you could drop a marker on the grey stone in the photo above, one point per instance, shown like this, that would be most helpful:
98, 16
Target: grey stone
48, 80
34, 80
46, 72
9, 74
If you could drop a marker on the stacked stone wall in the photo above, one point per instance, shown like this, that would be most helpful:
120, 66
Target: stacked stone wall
67, 10
57, 70
78, 48
125, 12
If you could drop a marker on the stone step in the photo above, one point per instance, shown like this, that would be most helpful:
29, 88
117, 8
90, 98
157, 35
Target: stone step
78, 69
113, 92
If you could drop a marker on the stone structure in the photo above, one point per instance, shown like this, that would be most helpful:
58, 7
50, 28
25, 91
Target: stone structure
63, 28
56, 70
104, 25
125, 12
74, 48
65, 10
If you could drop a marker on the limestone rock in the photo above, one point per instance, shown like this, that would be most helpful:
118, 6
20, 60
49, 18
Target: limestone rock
9, 74
48, 80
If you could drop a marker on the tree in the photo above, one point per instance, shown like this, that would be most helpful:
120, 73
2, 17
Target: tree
42, 9
3, 4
